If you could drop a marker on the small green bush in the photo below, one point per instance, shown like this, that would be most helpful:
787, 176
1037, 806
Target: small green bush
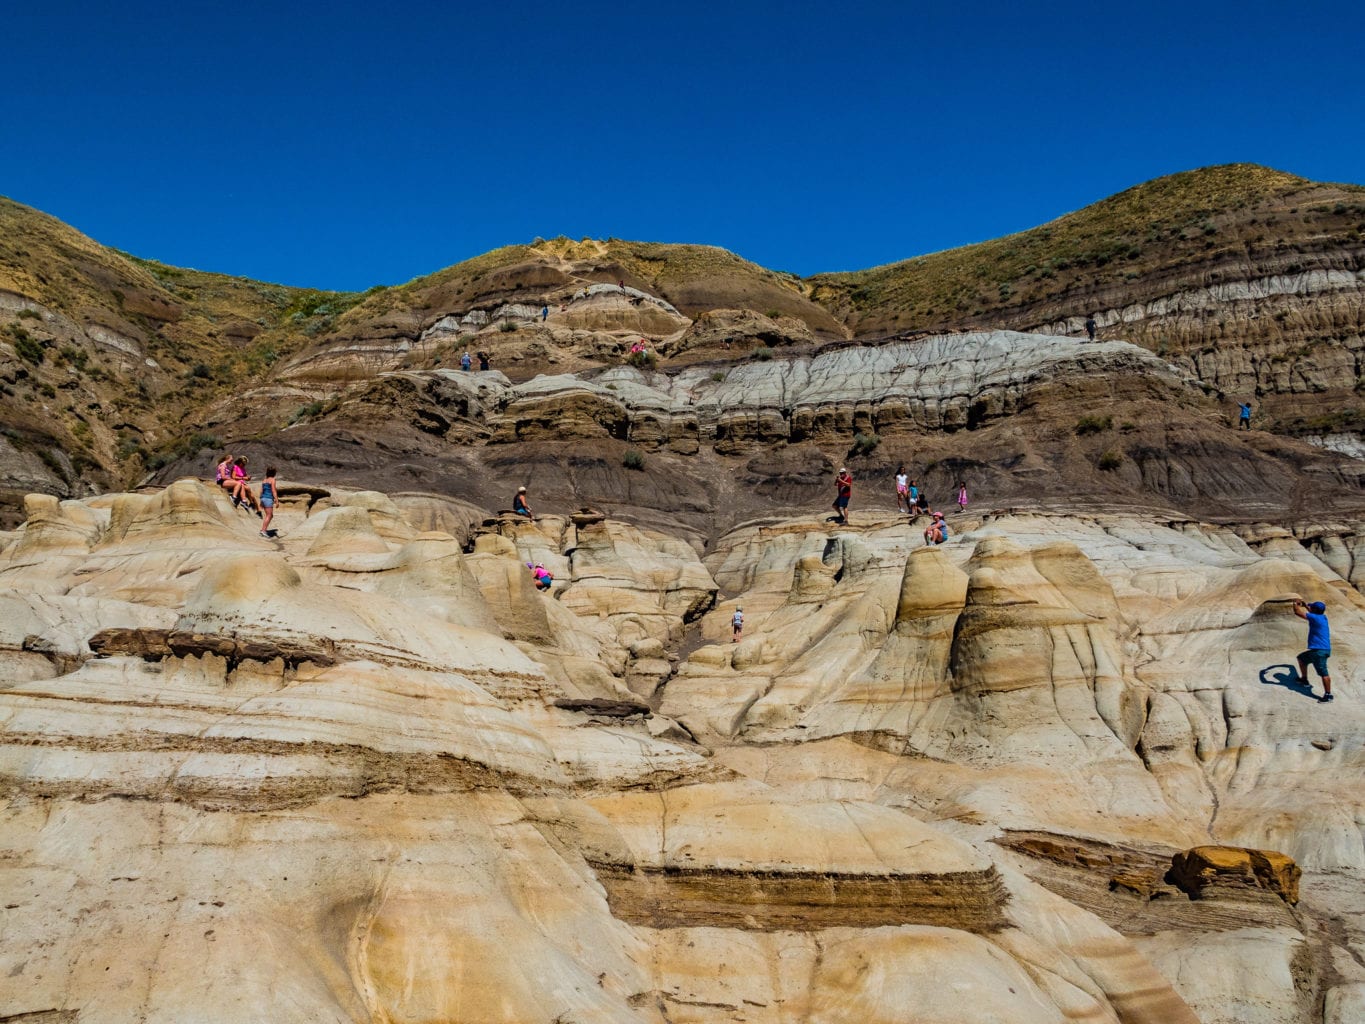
718, 376
306, 412
29, 314
201, 371
864, 444
508, 327
634, 459
1093, 424
1110, 461
29, 348
648, 360
763, 353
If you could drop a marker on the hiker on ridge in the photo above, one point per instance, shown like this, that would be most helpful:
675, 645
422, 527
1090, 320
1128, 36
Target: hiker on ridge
844, 482
902, 490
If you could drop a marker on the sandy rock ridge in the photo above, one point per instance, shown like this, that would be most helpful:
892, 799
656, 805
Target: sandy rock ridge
926, 784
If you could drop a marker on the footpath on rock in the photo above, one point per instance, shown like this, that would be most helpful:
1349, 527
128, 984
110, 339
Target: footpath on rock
1058, 768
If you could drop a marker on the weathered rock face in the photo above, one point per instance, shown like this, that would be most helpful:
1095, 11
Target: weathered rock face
1025, 418
944, 782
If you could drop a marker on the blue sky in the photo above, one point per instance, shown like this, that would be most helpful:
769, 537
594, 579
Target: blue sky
347, 145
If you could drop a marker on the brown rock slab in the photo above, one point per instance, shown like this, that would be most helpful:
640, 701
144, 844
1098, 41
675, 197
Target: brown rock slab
1203, 870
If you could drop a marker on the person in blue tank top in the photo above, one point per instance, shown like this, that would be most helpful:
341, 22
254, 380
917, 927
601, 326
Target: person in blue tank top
269, 494
1319, 645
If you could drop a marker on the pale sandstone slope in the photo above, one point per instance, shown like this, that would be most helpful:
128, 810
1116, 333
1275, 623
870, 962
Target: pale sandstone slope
366, 773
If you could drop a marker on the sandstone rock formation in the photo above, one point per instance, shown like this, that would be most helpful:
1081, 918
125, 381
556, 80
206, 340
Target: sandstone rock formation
366, 771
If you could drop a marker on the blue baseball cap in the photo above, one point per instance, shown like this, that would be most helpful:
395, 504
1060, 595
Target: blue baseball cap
1317, 606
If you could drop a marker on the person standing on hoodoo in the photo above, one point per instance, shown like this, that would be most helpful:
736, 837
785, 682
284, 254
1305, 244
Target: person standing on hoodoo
1319, 646
902, 490
737, 624
269, 492
844, 482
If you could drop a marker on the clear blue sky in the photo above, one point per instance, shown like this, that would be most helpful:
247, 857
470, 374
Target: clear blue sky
350, 144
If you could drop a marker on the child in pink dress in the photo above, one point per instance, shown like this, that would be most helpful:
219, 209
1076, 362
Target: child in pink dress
962, 496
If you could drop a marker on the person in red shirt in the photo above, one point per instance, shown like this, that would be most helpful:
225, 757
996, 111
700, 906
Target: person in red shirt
844, 481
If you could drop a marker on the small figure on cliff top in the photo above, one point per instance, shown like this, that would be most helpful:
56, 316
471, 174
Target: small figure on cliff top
737, 624
962, 495
544, 313
1090, 326
844, 483
1244, 415
1319, 646
902, 490
267, 499
519, 505
937, 531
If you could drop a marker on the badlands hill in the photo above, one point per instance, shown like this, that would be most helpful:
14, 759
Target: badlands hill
1214, 285
1055, 770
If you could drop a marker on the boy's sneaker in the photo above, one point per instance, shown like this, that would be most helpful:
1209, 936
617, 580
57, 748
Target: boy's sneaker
1325, 698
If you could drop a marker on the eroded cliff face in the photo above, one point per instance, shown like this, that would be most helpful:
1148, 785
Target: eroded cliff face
1027, 419
366, 771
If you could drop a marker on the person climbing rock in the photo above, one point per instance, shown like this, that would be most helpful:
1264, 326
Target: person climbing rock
1244, 415
737, 624
1090, 326
543, 577
937, 531
267, 499
519, 505
902, 490
844, 483
1319, 646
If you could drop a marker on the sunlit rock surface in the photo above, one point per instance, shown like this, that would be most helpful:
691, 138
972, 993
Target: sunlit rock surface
367, 771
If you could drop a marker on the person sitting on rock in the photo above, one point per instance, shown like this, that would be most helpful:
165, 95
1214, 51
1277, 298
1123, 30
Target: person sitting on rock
737, 624
543, 577
222, 476
242, 494
519, 505
937, 531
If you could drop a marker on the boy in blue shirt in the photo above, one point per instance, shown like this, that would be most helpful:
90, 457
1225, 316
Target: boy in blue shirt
1319, 645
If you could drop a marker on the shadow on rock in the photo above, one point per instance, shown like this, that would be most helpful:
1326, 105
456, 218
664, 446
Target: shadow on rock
1286, 676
